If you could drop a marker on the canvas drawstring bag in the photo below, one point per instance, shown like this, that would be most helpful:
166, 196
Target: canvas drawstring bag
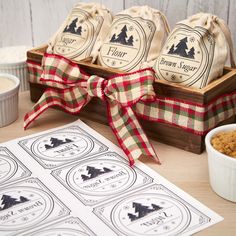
195, 51
82, 33
135, 37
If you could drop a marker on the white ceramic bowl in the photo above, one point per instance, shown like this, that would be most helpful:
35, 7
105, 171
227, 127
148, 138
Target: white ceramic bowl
16, 65
222, 168
9, 101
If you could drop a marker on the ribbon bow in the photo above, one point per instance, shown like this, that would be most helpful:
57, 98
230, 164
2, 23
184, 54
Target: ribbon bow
71, 89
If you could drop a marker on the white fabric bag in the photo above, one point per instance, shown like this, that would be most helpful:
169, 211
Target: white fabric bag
195, 51
82, 33
135, 37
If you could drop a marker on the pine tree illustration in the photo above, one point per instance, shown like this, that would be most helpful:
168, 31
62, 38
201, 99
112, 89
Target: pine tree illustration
132, 217
106, 170
191, 53
171, 51
71, 27
85, 177
54, 143
47, 146
23, 199
93, 172
156, 207
79, 30
113, 38
67, 140
141, 210
130, 41
121, 37
8, 201
181, 48
66, 29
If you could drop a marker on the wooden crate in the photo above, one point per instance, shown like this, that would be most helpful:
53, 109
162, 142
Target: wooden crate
162, 132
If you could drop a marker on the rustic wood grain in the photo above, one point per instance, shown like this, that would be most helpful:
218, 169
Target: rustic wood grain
33, 22
15, 26
115, 6
46, 23
219, 8
55, 12
225, 85
174, 10
159, 4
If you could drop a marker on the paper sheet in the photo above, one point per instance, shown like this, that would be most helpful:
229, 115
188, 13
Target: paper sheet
72, 181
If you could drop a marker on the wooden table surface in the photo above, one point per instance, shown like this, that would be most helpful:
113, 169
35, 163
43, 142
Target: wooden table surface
186, 170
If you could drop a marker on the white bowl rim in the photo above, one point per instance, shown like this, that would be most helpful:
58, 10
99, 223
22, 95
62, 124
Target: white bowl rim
12, 77
17, 62
212, 149
12, 64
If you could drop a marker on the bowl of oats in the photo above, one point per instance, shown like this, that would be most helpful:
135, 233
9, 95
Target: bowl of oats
221, 149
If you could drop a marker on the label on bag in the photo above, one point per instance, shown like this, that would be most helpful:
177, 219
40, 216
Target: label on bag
128, 43
187, 56
79, 34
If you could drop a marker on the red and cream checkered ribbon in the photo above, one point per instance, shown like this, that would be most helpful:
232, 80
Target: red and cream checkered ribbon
71, 89
190, 116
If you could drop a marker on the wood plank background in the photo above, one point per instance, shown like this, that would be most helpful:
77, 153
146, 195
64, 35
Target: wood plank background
32, 22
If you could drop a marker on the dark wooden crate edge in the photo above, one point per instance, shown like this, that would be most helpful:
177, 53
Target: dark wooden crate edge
161, 132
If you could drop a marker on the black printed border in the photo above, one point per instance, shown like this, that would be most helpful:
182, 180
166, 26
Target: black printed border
37, 184
71, 220
154, 187
21, 143
208, 65
149, 179
25, 171
146, 47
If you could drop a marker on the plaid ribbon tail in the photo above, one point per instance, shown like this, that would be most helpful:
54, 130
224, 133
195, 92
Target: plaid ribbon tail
58, 98
71, 89
129, 132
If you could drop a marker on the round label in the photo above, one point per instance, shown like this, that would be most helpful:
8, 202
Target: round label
150, 214
21, 207
126, 45
101, 177
8, 168
77, 35
62, 146
60, 232
187, 56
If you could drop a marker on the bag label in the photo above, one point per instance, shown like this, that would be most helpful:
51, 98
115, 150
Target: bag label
128, 43
79, 35
187, 56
